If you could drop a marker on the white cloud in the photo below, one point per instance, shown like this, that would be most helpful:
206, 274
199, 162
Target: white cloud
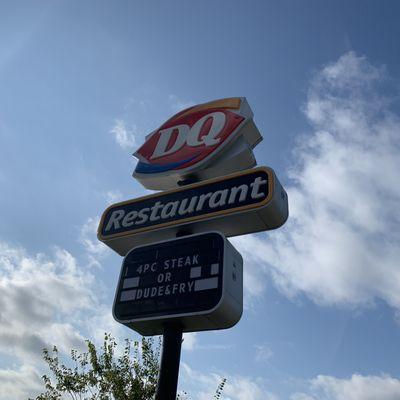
263, 353
39, 296
96, 250
189, 341
124, 136
37, 293
19, 384
102, 321
112, 196
245, 388
88, 238
255, 271
301, 396
202, 386
357, 387
340, 244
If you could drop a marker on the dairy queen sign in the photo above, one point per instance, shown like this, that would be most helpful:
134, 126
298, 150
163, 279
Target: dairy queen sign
180, 273
201, 142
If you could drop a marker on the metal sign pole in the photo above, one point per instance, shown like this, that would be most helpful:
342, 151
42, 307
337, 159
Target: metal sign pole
171, 356
170, 359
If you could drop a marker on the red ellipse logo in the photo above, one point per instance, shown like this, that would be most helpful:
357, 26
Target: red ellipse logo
189, 137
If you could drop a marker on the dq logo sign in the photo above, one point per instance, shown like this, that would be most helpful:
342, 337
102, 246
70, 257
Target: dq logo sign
190, 137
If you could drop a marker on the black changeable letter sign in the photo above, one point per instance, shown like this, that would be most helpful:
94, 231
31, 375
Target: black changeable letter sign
196, 280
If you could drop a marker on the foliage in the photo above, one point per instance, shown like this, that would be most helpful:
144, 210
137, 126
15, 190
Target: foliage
102, 375
219, 390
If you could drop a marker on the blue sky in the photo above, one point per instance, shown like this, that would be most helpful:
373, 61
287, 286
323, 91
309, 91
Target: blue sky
82, 83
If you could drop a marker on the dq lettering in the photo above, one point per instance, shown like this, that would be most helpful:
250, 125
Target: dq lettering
190, 136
